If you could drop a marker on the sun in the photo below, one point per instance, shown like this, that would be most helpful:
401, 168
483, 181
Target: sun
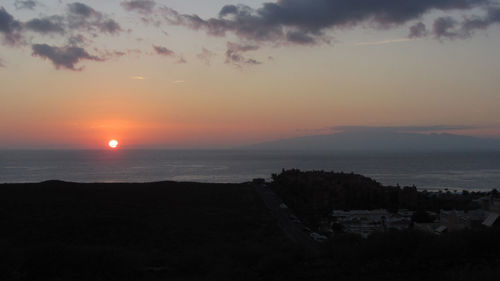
113, 143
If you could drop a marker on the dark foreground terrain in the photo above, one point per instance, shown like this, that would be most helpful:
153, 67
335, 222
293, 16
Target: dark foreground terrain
191, 231
157, 231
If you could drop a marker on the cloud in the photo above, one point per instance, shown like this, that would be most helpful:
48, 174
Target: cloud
234, 54
305, 21
109, 54
46, 25
109, 26
78, 40
138, 78
300, 37
29, 4
469, 25
77, 24
253, 61
181, 60
10, 28
79, 17
418, 30
163, 51
81, 9
383, 42
63, 57
206, 56
83, 17
146, 9
1, 63
141, 6
445, 27
400, 129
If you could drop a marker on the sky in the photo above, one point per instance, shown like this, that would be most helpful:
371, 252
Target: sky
224, 73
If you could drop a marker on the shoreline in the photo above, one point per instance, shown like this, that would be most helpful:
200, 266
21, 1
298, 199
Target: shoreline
431, 189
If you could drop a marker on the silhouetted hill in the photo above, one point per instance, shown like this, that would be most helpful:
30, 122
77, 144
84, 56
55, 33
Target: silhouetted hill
191, 231
373, 139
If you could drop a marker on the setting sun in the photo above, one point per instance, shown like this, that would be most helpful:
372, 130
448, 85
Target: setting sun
113, 143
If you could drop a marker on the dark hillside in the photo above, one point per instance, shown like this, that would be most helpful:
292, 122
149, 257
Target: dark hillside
191, 231
69, 231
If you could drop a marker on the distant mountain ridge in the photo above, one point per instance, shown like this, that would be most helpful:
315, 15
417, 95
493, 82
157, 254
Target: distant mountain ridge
382, 140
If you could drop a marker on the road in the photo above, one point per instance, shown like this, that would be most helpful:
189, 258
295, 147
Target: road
294, 231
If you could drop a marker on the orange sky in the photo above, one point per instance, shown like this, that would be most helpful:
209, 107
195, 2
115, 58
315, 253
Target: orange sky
363, 76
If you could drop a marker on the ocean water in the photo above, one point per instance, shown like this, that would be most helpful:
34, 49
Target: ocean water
452, 170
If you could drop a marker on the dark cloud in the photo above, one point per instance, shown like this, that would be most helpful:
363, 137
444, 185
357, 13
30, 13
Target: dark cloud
76, 25
141, 6
9, 28
228, 10
418, 30
81, 9
206, 56
63, 57
445, 27
253, 61
79, 17
163, 51
469, 25
109, 26
83, 17
145, 8
304, 21
234, 54
78, 40
450, 28
29, 4
46, 25
300, 37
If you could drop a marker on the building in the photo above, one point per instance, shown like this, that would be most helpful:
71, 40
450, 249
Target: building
365, 222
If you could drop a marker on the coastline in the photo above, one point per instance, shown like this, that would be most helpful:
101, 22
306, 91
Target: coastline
428, 170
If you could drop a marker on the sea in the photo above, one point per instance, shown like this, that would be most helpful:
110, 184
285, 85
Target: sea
453, 171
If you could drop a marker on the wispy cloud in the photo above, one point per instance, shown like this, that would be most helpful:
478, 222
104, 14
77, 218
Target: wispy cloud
383, 42
234, 54
414, 129
206, 56
28, 4
138, 78
160, 50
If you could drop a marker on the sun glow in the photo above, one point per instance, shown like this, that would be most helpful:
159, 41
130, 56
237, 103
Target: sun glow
113, 143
